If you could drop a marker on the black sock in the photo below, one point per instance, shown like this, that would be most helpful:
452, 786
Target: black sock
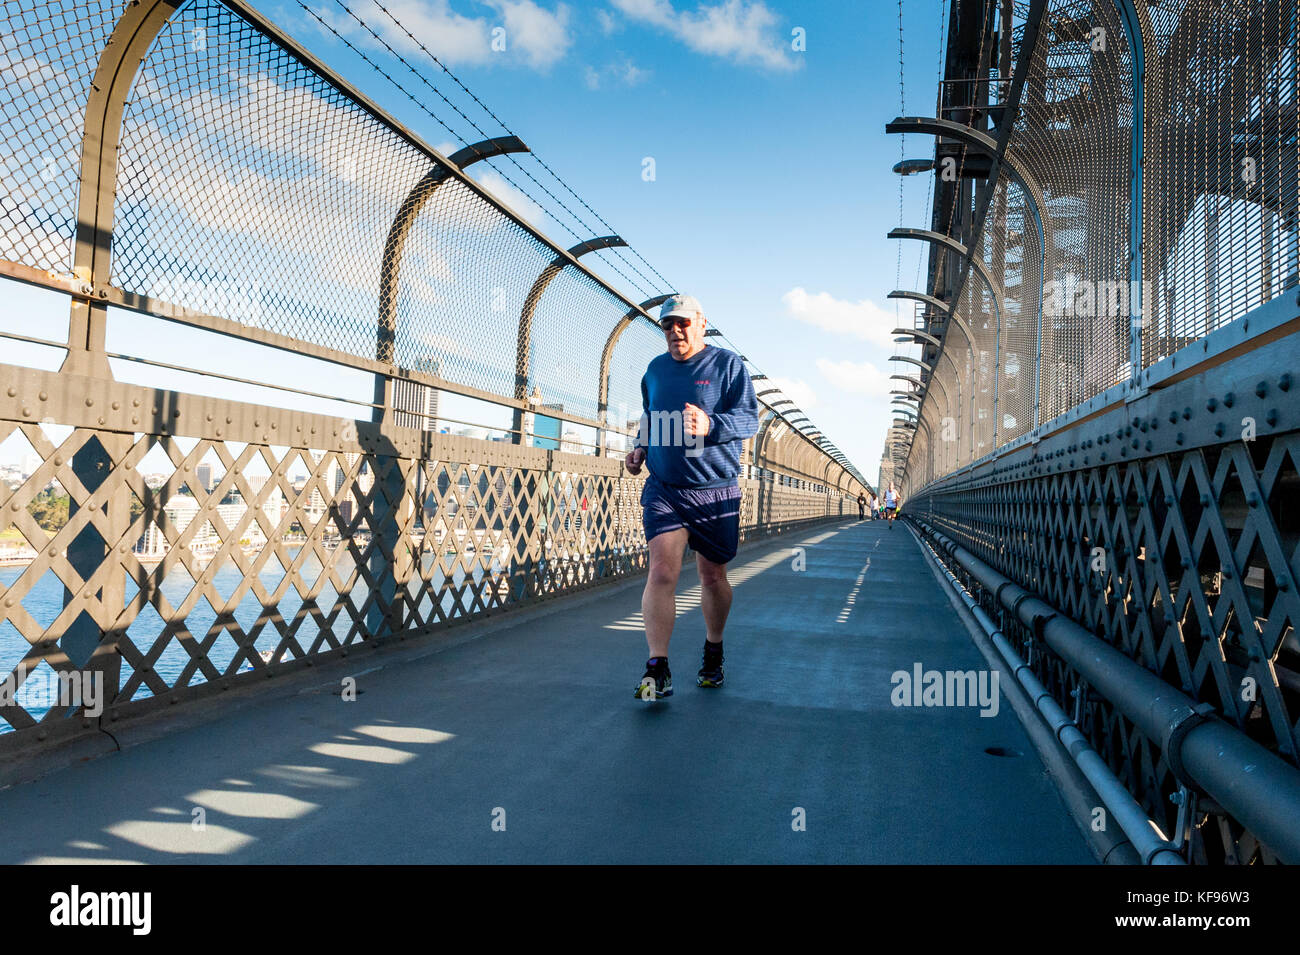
655, 662
713, 648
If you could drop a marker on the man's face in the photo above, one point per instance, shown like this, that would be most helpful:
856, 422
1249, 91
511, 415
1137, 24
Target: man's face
685, 335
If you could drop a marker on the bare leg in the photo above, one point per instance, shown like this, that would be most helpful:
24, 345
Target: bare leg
659, 601
715, 597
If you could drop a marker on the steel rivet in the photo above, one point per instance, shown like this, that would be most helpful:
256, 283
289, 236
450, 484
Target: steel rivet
90, 402
116, 405
1228, 399
12, 392
27, 412
1261, 389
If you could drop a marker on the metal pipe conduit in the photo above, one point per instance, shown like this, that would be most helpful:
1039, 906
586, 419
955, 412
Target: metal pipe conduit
1203, 751
1132, 818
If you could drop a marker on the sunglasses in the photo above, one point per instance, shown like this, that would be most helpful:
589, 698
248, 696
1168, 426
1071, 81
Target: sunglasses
668, 323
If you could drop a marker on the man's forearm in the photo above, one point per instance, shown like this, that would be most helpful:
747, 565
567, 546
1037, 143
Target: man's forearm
731, 426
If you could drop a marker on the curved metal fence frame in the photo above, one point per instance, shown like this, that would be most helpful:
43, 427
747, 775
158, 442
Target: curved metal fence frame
279, 538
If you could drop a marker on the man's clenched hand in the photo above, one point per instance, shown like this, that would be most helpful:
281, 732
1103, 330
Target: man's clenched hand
634, 459
695, 421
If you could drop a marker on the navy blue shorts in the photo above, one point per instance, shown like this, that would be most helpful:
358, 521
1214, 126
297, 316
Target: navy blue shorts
710, 514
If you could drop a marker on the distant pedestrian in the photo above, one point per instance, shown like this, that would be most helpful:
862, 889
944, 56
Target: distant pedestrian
892, 502
862, 506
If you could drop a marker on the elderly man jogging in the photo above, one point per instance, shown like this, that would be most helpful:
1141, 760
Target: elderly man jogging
892, 503
699, 409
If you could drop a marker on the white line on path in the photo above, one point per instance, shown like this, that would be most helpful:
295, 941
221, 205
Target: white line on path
852, 598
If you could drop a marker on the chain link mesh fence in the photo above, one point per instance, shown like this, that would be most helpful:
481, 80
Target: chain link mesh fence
48, 54
1187, 130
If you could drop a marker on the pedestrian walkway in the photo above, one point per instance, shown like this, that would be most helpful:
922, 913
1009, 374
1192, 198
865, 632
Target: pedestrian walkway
525, 744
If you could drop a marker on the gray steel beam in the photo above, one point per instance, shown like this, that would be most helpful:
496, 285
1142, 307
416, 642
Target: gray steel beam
912, 361
114, 77
85, 643
922, 337
952, 245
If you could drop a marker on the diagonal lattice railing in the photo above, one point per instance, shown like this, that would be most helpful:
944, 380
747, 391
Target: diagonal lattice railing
186, 163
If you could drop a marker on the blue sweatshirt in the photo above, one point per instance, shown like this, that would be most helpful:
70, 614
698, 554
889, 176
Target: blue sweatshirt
716, 381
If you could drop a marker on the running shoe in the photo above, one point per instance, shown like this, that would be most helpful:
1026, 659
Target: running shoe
711, 671
656, 683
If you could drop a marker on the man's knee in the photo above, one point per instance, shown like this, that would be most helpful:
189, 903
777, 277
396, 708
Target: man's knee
711, 574
665, 562
664, 573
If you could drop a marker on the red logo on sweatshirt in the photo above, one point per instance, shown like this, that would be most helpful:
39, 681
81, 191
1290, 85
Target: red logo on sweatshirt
703, 381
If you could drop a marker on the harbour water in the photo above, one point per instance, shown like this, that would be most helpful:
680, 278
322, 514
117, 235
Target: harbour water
44, 602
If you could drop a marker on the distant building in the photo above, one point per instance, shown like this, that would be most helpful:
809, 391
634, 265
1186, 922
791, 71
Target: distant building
897, 440
545, 432
416, 405
204, 474
180, 511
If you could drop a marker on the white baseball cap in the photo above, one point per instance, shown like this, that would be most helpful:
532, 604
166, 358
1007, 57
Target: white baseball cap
681, 306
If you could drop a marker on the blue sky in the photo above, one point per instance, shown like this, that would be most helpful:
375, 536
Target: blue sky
772, 191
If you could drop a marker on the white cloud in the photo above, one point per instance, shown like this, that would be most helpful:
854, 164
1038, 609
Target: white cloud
542, 35
452, 38
623, 71
606, 21
496, 184
741, 30
863, 319
633, 74
857, 378
534, 35
797, 390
